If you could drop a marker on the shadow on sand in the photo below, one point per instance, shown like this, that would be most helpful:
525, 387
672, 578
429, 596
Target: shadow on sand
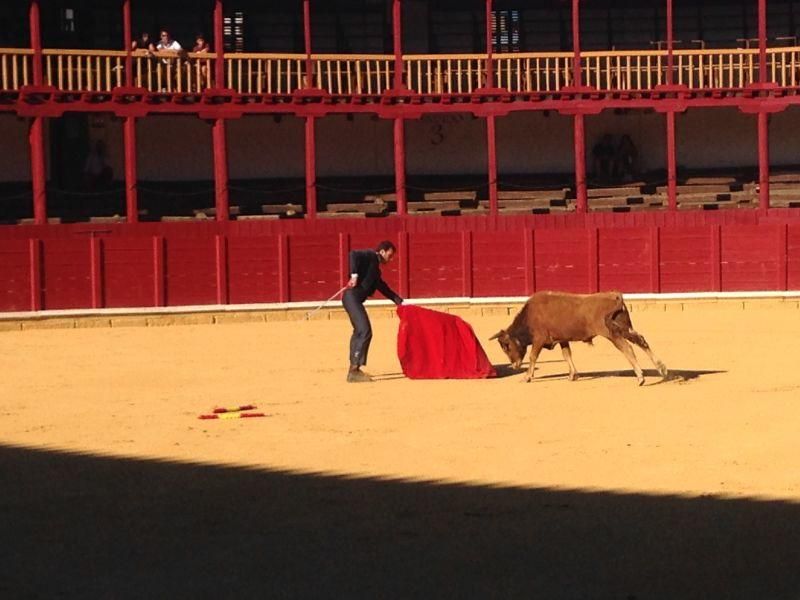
85, 526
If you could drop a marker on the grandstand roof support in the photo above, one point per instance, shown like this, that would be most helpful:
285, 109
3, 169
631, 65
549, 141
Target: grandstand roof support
311, 168
670, 45
400, 165
762, 41
128, 39
307, 42
489, 47
219, 45
577, 78
580, 163
131, 176
763, 161
220, 170
491, 143
397, 41
36, 131
672, 188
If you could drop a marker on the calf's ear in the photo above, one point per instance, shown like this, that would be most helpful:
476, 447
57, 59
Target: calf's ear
497, 335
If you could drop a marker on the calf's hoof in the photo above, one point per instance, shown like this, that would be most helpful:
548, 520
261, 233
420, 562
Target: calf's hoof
572, 377
526, 379
662, 369
640, 380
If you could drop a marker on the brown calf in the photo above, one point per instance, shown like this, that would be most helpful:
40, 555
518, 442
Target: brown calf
550, 318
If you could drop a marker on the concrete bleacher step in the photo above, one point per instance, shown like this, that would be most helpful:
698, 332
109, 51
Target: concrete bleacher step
641, 201
357, 208
427, 205
380, 198
616, 192
787, 177
464, 199
212, 211
289, 210
710, 180
715, 188
519, 195
257, 217
526, 203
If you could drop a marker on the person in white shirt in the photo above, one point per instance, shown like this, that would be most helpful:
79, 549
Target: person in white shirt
167, 44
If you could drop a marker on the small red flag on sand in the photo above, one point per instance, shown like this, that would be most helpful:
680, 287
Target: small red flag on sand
232, 415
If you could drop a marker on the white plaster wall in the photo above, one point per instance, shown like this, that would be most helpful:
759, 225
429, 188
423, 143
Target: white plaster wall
15, 156
453, 144
363, 146
719, 137
784, 137
261, 147
530, 142
174, 148
648, 130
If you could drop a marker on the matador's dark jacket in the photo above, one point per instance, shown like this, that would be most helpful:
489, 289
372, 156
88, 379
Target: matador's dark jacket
366, 264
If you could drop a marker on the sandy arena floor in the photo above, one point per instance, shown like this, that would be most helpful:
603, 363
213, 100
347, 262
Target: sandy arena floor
689, 488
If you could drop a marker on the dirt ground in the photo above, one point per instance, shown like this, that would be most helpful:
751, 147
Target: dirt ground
687, 488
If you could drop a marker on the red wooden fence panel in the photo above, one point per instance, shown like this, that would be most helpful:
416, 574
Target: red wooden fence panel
66, 273
190, 271
685, 259
253, 269
313, 267
561, 259
498, 264
749, 259
128, 277
624, 259
435, 265
15, 275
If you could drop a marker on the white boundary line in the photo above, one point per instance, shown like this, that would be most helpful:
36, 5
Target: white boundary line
229, 308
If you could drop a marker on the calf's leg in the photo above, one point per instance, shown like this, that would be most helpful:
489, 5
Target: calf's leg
627, 350
638, 339
567, 352
536, 348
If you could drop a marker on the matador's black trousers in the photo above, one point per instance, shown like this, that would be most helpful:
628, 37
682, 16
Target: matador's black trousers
362, 330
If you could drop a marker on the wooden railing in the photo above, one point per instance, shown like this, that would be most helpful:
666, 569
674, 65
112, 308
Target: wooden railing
444, 73
265, 73
284, 74
15, 68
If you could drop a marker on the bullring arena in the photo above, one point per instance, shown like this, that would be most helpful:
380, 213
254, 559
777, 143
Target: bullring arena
685, 488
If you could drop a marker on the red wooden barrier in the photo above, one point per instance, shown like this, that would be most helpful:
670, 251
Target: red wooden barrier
81, 266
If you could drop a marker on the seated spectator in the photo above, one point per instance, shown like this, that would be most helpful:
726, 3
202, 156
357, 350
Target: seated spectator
603, 158
96, 173
166, 42
203, 71
626, 160
143, 42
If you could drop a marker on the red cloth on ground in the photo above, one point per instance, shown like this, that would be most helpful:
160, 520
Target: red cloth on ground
436, 345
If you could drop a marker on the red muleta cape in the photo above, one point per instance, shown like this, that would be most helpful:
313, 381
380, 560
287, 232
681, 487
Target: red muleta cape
436, 345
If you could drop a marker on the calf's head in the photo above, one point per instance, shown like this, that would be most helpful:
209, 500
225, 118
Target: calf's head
511, 346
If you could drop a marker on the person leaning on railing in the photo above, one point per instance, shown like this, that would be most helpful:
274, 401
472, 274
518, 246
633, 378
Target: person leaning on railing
168, 45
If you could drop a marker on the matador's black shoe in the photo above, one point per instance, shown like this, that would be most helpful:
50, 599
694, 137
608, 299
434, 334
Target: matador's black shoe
358, 377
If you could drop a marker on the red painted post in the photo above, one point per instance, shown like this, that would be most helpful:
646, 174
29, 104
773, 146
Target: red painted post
529, 245
715, 231
311, 169
404, 263
96, 270
467, 288
35, 268
489, 46
576, 44
762, 41
220, 170
219, 44
283, 268
397, 37
159, 283
36, 41
672, 187
580, 164
400, 165
131, 191
126, 32
222, 269
36, 131
307, 39
670, 44
491, 139
38, 172
763, 161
